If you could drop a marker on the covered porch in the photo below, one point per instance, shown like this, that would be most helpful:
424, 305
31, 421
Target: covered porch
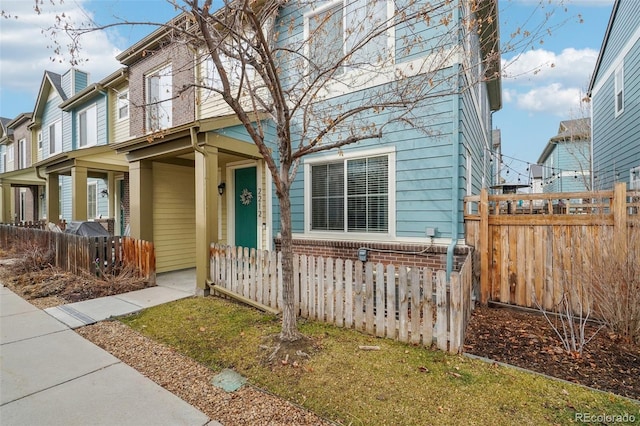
98, 163
195, 185
21, 196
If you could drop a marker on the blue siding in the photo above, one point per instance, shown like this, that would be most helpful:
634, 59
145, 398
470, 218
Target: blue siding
102, 135
625, 24
616, 140
50, 115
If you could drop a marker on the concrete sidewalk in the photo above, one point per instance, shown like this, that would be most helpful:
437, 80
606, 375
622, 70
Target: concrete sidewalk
50, 375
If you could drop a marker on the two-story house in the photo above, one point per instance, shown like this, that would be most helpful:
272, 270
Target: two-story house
189, 160
22, 189
72, 121
614, 94
196, 178
566, 159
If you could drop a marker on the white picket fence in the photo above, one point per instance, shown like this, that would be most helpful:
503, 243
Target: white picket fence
414, 305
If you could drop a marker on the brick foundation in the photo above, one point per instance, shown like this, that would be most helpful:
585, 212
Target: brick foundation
415, 255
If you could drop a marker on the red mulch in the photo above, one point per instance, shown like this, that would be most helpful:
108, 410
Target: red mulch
525, 339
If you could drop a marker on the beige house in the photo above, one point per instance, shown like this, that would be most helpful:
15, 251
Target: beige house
194, 176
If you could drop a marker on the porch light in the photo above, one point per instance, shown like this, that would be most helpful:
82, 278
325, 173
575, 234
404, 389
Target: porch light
221, 188
104, 193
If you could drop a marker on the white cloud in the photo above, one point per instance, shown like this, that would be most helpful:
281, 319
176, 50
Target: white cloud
27, 52
571, 66
552, 99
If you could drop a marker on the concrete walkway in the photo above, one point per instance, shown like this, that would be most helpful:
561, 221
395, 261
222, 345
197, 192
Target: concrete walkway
50, 375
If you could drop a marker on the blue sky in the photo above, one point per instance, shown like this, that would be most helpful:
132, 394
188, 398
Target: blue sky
541, 88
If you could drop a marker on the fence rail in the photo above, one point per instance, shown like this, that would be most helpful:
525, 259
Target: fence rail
527, 255
416, 305
77, 254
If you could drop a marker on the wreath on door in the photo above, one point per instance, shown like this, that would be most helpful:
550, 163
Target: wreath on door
246, 197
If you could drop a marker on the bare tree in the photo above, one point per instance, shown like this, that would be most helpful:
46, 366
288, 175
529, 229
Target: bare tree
290, 65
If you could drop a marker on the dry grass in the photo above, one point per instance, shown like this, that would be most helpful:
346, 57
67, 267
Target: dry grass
398, 384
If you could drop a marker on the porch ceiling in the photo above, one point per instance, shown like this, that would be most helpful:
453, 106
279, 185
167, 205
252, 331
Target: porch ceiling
97, 160
22, 177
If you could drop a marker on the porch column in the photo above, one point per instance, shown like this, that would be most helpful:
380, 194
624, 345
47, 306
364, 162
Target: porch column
5, 203
141, 200
79, 193
111, 187
207, 199
53, 198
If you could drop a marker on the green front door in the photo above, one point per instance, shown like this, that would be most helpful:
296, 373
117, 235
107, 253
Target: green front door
246, 207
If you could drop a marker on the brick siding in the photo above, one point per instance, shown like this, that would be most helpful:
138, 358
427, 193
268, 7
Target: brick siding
183, 78
385, 253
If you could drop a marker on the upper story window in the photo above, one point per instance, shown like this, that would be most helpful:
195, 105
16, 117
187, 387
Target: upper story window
349, 27
350, 195
123, 105
10, 152
55, 138
87, 127
619, 89
39, 137
22, 153
158, 99
4, 162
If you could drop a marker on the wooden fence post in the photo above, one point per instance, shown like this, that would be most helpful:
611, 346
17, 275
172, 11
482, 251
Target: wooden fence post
483, 246
619, 208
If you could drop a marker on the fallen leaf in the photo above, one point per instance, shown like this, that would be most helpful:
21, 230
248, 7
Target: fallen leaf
202, 329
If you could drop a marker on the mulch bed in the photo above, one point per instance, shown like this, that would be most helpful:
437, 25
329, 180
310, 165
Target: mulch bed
525, 339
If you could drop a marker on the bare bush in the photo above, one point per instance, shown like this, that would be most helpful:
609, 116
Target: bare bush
33, 257
614, 278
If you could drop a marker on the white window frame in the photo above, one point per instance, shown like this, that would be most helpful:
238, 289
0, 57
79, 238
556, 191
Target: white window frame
90, 121
390, 32
233, 69
92, 204
160, 107
346, 156
22, 153
23, 204
10, 155
618, 91
634, 178
39, 138
122, 105
4, 162
57, 145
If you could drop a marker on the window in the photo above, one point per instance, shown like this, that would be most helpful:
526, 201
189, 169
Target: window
351, 195
123, 105
23, 204
10, 152
22, 153
92, 200
634, 178
55, 138
4, 162
159, 93
87, 127
339, 29
234, 72
619, 89
39, 136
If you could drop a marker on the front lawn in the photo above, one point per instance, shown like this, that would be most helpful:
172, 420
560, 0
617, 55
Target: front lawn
397, 384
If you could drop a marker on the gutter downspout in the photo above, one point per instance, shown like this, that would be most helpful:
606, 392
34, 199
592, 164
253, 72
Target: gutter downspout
194, 141
455, 160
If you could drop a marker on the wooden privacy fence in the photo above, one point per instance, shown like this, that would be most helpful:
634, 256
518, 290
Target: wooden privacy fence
416, 305
75, 253
532, 246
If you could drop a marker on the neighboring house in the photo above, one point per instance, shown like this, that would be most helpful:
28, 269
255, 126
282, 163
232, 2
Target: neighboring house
536, 178
565, 160
22, 189
615, 93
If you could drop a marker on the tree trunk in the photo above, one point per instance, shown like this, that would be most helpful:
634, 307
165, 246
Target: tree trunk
289, 331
